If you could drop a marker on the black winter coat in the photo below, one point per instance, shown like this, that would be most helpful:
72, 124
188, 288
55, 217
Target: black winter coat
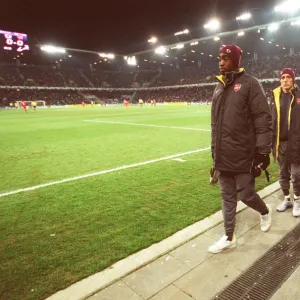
241, 122
293, 123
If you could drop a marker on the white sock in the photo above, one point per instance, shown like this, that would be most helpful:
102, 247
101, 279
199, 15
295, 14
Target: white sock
287, 198
296, 198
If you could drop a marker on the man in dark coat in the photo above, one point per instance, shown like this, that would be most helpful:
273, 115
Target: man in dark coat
286, 138
241, 141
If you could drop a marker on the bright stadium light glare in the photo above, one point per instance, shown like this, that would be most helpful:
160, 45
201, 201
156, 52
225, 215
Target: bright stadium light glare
185, 31
194, 43
70, 55
193, 51
273, 27
125, 57
244, 17
160, 50
213, 24
241, 33
131, 61
152, 40
53, 49
216, 38
178, 46
295, 23
288, 7
107, 55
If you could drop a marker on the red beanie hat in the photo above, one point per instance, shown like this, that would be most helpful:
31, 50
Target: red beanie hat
288, 71
234, 52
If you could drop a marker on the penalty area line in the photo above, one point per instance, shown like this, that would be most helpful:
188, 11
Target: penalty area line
35, 187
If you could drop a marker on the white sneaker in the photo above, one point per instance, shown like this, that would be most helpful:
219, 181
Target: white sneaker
222, 244
296, 208
265, 221
284, 205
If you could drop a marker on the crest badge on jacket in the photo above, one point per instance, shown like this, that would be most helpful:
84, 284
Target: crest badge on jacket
237, 87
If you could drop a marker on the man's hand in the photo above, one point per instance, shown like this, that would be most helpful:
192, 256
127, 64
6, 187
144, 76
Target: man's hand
213, 176
261, 160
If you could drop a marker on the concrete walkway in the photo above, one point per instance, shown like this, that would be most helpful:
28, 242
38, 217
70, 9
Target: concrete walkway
190, 272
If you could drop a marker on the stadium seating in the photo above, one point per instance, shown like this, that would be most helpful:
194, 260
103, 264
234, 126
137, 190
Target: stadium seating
46, 76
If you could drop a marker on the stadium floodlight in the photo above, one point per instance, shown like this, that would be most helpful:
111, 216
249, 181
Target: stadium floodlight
213, 24
107, 55
210, 55
70, 55
178, 46
194, 43
241, 33
53, 49
131, 61
152, 40
244, 17
273, 27
185, 31
216, 38
167, 56
125, 57
193, 51
160, 50
288, 7
262, 39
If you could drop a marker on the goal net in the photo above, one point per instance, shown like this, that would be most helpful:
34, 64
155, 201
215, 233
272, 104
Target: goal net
38, 103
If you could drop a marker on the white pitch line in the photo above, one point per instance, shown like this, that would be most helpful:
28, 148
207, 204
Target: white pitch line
179, 159
35, 187
147, 125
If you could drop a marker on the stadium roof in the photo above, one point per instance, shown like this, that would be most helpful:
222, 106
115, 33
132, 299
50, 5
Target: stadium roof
265, 31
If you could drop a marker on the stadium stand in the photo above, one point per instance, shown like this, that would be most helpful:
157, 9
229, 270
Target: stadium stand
50, 76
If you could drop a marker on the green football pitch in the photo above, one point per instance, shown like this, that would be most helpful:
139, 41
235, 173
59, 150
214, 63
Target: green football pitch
82, 188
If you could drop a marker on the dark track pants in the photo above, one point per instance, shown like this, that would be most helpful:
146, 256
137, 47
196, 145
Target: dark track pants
231, 184
288, 170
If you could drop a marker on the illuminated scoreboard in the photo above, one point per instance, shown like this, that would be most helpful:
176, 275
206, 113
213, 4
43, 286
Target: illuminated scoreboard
13, 41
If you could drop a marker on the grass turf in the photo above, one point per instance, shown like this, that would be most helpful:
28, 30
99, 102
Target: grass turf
54, 236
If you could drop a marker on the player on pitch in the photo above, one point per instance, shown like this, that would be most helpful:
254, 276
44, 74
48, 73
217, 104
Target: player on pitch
241, 126
23, 104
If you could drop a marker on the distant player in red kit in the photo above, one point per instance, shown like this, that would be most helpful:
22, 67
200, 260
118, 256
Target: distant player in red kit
126, 103
23, 104
154, 102
82, 103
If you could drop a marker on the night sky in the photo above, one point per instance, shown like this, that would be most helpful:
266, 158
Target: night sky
117, 26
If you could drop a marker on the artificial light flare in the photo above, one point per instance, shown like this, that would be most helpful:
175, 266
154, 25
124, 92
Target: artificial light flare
244, 17
213, 24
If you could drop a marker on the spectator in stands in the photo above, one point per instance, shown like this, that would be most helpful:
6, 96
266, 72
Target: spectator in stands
246, 136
